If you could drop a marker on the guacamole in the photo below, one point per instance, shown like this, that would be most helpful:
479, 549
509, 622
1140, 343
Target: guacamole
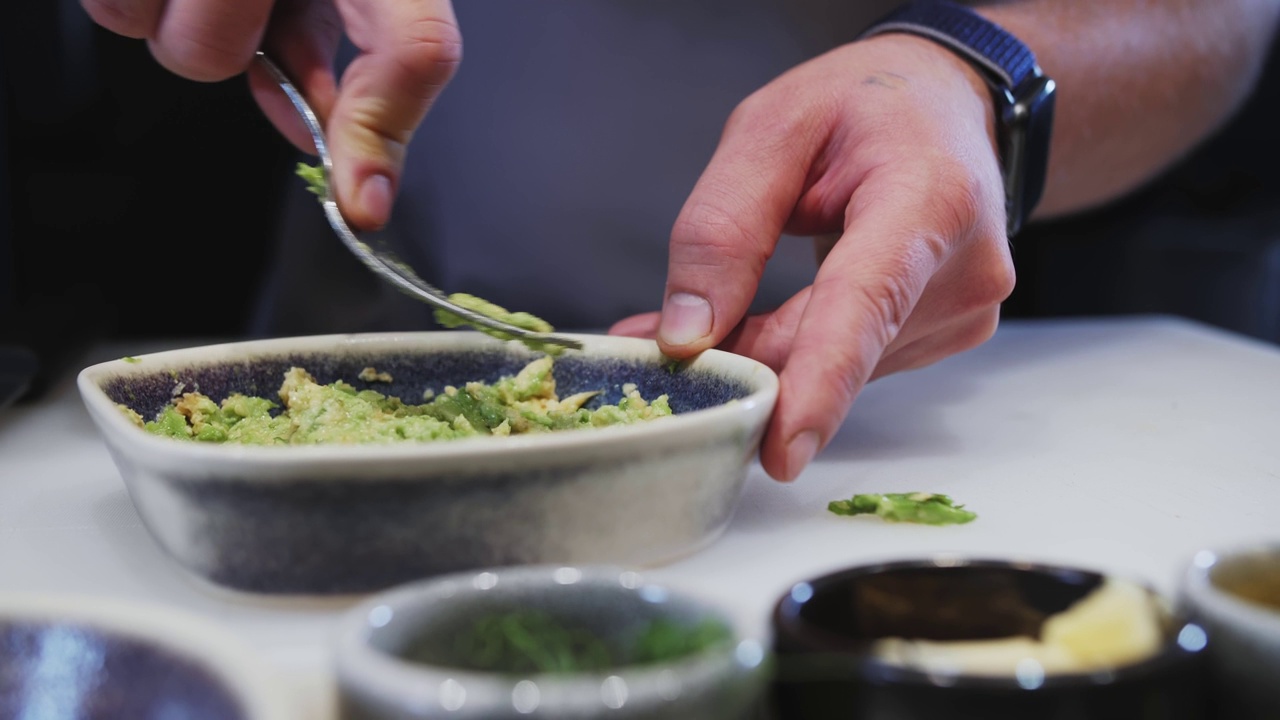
310, 413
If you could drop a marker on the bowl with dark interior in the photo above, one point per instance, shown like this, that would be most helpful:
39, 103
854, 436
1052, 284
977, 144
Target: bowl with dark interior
1234, 593
91, 658
950, 637
563, 642
368, 460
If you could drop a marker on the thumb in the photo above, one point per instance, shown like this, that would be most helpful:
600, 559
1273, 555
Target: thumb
410, 51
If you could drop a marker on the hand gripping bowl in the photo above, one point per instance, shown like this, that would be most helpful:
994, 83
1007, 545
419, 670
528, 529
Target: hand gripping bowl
340, 519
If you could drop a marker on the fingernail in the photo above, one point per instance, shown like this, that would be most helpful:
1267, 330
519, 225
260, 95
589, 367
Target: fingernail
375, 197
686, 318
800, 451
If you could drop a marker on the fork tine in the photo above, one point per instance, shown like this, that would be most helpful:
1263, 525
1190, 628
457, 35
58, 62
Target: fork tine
391, 268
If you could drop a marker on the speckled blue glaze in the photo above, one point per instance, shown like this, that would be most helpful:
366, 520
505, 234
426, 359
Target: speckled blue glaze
364, 520
66, 670
413, 373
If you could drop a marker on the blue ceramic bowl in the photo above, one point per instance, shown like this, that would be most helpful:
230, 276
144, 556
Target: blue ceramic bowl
90, 658
340, 519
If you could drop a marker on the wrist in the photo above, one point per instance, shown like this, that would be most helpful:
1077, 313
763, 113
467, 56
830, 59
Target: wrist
1023, 97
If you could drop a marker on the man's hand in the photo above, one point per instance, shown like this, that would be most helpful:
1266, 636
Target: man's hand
409, 52
888, 145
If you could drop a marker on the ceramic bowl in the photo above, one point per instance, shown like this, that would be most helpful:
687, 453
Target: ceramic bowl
398, 653
340, 519
1234, 593
70, 656
824, 628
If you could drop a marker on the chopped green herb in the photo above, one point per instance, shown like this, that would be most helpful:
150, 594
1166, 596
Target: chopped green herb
672, 365
532, 641
916, 507
665, 640
130, 359
314, 175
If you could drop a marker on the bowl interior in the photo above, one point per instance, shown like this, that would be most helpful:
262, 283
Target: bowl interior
843, 613
1252, 576
414, 368
828, 667
526, 625
973, 602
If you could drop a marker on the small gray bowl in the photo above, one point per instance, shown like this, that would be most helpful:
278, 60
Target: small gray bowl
343, 519
1243, 627
395, 656
93, 658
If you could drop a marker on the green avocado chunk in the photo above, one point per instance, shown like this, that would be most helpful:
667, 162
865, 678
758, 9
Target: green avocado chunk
314, 176
915, 507
311, 413
497, 312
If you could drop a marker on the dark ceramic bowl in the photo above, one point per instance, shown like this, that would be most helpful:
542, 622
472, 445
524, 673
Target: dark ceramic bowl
341, 519
94, 659
825, 668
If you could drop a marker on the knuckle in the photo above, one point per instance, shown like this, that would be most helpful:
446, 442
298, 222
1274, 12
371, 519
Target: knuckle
977, 331
1000, 278
963, 198
777, 113
432, 49
200, 54
993, 277
121, 17
890, 301
708, 235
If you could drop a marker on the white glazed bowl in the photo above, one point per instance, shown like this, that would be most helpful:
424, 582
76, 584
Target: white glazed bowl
64, 656
380, 677
1244, 635
341, 519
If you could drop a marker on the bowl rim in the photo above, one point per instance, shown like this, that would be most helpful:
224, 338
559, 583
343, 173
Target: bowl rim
357, 661
761, 382
242, 671
1199, 593
785, 618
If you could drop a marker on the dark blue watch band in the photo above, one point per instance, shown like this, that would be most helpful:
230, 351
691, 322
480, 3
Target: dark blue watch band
1002, 55
1024, 96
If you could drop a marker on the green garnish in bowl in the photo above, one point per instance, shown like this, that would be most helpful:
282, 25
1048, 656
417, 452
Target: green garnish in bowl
527, 641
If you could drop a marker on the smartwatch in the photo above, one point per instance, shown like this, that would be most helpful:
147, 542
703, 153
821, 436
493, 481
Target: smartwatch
1024, 96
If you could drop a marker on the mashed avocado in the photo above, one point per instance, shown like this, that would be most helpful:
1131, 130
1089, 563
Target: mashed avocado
501, 314
310, 413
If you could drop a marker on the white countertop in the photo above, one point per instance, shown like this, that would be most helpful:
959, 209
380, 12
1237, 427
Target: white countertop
1121, 444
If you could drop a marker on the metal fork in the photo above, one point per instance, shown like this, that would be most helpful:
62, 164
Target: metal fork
381, 259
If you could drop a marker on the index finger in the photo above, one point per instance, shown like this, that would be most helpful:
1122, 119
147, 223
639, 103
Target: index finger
410, 51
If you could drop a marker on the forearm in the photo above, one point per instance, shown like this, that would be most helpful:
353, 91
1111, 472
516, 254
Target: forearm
1140, 82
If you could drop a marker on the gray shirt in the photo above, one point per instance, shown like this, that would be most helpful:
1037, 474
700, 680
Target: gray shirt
549, 173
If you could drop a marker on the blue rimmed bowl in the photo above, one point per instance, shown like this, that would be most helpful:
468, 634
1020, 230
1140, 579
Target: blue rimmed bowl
397, 654
95, 658
343, 519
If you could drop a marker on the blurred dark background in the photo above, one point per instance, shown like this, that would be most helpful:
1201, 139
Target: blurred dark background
135, 204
